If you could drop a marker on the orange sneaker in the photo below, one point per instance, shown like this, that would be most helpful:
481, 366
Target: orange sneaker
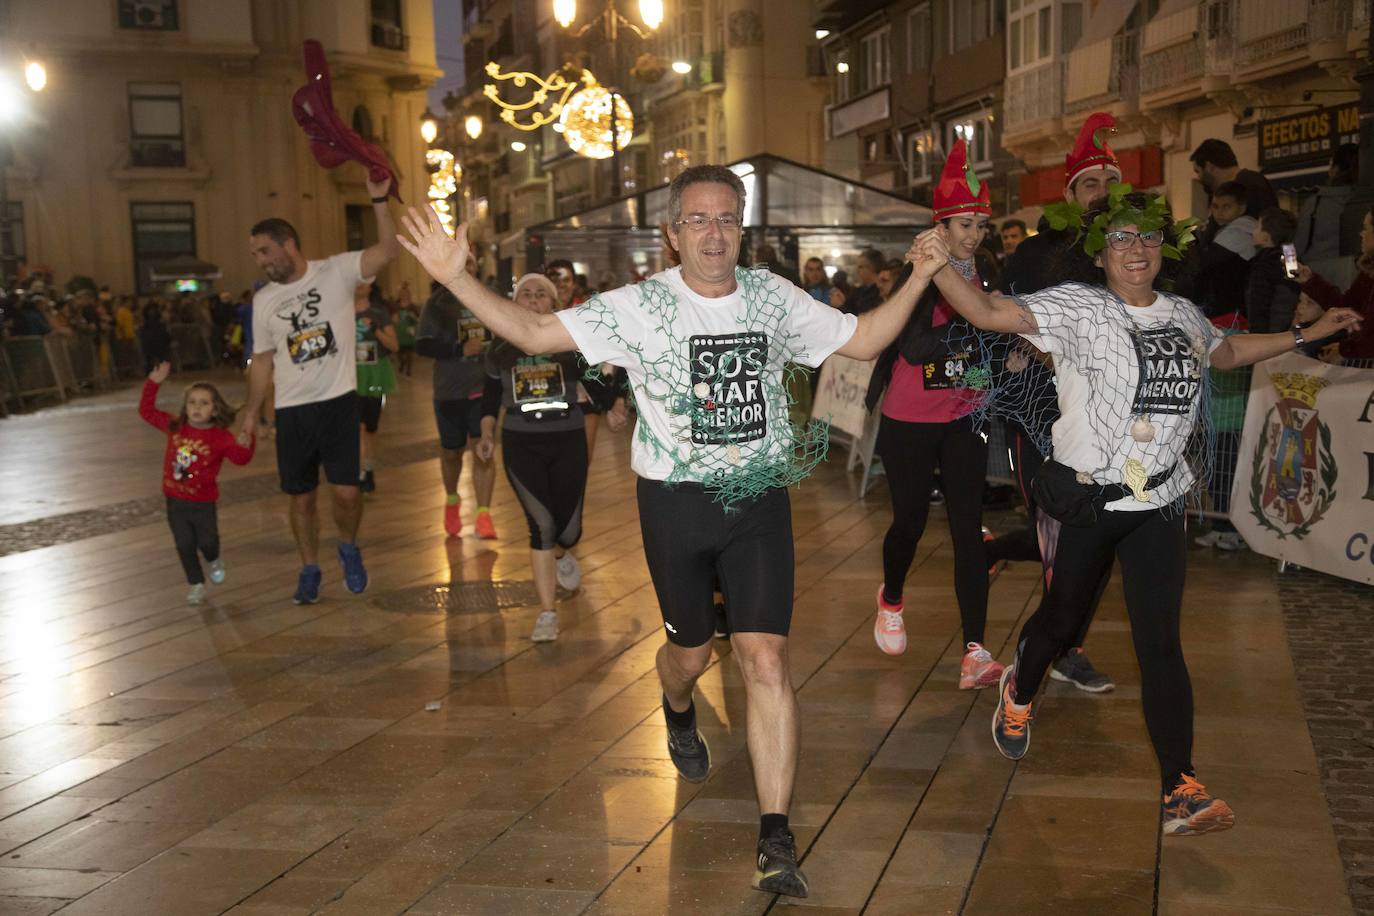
453, 519
485, 527
1190, 811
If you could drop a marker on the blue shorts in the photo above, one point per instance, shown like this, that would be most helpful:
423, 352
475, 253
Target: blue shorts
458, 420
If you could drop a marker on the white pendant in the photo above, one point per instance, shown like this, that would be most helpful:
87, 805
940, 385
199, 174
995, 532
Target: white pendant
732, 454
1142, 430
701, 389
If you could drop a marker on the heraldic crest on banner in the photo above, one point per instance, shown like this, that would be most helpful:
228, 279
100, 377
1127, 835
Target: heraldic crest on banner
1293, 478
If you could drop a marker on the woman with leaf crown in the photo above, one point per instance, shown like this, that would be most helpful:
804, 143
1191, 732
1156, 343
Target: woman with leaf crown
1129, 446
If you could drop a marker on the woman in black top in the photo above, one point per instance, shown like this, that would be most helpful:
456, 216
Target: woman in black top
544, 449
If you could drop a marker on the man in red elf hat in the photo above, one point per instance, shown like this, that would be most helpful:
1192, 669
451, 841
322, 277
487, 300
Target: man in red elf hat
1089, 168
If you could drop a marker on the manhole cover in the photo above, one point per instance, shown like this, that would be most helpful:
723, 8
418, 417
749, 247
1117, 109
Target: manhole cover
460, 596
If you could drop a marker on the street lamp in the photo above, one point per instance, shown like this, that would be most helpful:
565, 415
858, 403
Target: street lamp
611, 20
472, 124
429, 126
681, 66
13, 107
36, 75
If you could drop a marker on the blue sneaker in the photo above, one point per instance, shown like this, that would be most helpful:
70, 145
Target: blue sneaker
355, 574
308, 586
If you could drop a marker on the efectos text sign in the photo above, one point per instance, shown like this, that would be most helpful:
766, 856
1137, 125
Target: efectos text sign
1308, 138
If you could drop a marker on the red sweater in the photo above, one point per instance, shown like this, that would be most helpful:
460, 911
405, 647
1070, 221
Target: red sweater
190, 466
1359, 297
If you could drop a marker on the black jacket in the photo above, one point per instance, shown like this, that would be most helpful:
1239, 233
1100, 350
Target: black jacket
1271, 297
919, 342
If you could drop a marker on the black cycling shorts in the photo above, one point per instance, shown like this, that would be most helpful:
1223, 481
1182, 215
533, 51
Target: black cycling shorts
691, 541
311, 435
370, 412
458, 421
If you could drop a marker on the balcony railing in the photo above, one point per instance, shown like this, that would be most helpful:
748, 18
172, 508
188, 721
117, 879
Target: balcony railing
1034, 95
1270, 28
1331, 19
1123, 81
1170, 66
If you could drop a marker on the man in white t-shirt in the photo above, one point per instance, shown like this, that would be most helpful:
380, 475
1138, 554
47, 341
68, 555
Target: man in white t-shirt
705, 346
303, 342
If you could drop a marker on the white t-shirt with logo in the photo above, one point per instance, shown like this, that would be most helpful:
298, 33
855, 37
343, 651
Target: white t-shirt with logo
1102, 350
309, 325
631, 327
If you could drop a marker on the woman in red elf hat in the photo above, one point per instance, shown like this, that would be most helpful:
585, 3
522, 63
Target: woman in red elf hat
926, 425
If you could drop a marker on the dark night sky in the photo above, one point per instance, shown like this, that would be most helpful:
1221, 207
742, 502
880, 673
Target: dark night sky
448, 40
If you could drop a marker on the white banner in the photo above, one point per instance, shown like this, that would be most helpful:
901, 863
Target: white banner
1304, 485
840, 394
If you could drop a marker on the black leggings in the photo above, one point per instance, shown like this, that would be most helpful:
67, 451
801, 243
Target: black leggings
195, 528
910, 453
548, 472
1152, 549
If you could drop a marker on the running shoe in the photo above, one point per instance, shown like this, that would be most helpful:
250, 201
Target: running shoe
778, 872
722, 622
996, 566
545, 627
217, 572
978, 669
889, 630
1231, 540
355, 574
1074, 668
367, 483
196, 595
484, 526
569, 572
308, 587
453, 519
1190, 811
1010, 726
688, 749
1207, 540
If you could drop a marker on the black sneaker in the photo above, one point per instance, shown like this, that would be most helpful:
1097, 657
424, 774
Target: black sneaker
368, 483
1010, 727
778, 872
688, 749
1074, 668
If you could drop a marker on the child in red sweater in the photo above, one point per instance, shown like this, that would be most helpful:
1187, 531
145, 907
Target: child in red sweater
198, 441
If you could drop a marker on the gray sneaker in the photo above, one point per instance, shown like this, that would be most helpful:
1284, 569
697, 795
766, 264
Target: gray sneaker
196, 594
545, 627
217, 572
1074, 668
688, 750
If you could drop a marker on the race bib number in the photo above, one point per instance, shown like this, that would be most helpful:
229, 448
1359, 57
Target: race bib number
946, 373
314, 341
731, 367
367, 352
469, 328
540, 381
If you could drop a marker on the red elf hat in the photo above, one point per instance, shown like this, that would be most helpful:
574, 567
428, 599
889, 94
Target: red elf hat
1091, 151
959, 190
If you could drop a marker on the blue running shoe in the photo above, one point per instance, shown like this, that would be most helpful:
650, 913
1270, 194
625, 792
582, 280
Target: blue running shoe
355, 574
308, 587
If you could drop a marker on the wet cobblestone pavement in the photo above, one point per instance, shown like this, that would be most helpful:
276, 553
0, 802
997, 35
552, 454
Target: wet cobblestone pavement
148, 510
1330, 625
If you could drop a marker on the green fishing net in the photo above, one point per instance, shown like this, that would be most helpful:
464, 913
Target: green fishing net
737, 454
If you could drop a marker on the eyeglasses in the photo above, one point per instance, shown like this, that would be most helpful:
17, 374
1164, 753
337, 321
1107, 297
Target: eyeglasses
1122, 240
698, 223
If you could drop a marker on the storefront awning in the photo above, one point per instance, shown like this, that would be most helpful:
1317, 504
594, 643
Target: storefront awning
778, 193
